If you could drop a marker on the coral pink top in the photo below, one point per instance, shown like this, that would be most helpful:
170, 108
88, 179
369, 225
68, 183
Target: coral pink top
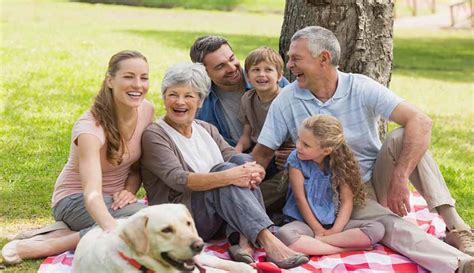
113, 177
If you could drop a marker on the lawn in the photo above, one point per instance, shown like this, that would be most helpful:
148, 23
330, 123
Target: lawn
54, 55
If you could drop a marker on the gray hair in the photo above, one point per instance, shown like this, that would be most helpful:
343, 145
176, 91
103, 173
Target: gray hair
319, 40
193, 75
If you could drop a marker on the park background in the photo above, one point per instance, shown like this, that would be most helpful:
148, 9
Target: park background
54, 55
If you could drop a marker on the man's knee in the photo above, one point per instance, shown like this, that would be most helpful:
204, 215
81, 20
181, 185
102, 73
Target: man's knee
396, 136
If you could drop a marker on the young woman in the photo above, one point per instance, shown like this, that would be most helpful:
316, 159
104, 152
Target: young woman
324, 185
101, 178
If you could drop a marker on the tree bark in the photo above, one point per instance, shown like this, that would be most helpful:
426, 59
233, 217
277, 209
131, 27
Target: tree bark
364, 29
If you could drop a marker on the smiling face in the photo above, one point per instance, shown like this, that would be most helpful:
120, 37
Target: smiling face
303, 65
130, 83
264, 77
308, 147
224, 69
181, 104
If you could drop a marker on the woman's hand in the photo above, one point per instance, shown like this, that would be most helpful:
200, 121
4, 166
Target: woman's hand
123, 198
259, 175
248, 175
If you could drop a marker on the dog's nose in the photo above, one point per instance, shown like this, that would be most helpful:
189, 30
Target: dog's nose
197, 246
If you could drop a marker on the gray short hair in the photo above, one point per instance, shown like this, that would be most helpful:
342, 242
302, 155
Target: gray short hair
187, 74
320, 39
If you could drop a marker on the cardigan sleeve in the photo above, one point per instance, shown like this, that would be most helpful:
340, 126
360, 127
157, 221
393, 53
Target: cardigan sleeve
161, 157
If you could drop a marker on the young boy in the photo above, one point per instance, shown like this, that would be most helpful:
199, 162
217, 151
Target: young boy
263, 68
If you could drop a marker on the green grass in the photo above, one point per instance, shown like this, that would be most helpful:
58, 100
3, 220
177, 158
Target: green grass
259, 6
404, 8
53, 56
435, 71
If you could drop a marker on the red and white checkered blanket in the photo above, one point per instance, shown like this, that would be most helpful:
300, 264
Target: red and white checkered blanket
380, 259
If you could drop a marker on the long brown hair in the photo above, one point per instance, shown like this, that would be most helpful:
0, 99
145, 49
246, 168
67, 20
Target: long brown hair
344, 167
104, 110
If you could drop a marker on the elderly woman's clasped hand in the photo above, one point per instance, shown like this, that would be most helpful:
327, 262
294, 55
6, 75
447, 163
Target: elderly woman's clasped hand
248, 175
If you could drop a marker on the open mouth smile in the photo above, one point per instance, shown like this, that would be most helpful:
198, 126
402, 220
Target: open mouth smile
134, 94
183, 265
298, 74
262, 81
180, 110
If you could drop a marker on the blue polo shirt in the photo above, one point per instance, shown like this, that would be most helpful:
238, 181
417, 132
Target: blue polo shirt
212, 112
358, 103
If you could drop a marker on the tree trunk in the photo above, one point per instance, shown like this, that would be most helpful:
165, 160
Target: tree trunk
364, 29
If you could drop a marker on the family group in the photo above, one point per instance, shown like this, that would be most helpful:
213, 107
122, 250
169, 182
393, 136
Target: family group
245, 150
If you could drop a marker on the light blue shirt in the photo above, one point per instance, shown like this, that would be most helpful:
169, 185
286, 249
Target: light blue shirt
358, 103
318, 190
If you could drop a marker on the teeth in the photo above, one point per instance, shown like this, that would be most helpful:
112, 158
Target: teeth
134, 94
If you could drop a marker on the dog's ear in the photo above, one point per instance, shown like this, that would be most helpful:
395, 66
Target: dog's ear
135, 235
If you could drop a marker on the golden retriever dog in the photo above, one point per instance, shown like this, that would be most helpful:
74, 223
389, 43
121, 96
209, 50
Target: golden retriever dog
160, 238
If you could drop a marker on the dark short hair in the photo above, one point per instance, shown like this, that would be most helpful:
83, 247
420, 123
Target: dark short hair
205, 45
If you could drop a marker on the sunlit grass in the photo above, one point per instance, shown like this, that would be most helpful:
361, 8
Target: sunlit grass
54, 54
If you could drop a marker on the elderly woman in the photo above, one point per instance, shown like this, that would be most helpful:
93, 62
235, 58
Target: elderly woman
187, 161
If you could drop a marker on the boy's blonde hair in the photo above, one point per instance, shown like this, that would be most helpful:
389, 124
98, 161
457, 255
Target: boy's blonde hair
344, 166
266, 54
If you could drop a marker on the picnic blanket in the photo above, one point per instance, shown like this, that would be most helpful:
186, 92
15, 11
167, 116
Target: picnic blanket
380, 259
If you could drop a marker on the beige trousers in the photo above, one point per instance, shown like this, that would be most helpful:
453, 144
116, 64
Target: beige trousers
400, 235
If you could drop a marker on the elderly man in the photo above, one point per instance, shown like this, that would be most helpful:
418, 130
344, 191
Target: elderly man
358, 101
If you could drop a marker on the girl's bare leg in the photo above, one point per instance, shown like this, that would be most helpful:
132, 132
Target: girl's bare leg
312, 246
353, 238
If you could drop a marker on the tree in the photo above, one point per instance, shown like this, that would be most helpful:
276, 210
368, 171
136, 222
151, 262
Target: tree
364, 29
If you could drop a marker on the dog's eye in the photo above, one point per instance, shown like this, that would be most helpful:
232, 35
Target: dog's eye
167, 230
188, 223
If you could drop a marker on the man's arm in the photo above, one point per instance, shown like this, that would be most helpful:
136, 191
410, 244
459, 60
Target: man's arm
262, 155
416, 139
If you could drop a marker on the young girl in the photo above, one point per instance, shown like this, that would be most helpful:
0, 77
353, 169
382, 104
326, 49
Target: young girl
324, 185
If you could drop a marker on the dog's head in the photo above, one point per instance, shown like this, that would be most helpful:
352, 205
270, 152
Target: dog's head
165, 233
